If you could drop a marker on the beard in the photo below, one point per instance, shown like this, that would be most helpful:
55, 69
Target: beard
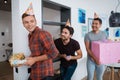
64, 38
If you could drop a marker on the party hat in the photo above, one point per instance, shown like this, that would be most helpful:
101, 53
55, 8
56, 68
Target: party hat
68, 23
29, 10
95, 15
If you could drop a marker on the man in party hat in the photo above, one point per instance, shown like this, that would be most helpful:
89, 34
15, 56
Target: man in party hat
93, 64
42, 48
67, 48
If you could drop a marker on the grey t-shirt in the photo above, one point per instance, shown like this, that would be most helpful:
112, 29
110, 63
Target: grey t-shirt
91, 36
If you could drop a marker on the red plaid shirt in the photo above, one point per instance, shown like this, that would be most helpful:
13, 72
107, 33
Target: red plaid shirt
41, 42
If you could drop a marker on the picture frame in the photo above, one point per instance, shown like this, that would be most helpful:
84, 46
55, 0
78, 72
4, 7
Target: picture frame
90, 24
84, 30
81, 15
117, 32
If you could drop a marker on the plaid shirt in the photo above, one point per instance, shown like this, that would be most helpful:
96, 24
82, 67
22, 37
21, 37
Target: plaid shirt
40, 42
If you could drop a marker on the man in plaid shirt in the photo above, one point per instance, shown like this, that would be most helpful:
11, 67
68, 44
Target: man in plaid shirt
42, 48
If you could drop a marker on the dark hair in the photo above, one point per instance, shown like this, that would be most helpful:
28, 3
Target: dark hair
25, 15
70, 29
100, 21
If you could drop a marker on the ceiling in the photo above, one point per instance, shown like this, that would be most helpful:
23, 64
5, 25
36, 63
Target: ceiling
5, 6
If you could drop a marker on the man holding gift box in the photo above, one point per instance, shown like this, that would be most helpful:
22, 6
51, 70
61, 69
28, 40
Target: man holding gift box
42, 47
92, 62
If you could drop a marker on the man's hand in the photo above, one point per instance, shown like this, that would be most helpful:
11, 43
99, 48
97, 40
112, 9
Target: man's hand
63, 55
68, 58
97, 62
30, 61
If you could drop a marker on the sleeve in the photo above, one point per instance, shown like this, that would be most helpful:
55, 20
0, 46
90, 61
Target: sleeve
58, 44
55, 41
48, 45
86, 38
76, 46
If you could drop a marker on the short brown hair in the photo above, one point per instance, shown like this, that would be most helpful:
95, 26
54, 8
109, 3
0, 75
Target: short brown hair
25, 15
70, 29
98, 19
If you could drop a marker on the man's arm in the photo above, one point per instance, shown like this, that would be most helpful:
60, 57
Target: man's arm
79, 55
49, 52
49, 46
32, 60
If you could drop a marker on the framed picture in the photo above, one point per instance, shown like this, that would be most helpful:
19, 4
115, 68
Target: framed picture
81, 15
114, 33
84, 30
117, 32
90, 24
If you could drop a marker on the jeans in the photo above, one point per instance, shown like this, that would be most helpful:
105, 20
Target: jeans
67, 72
92, 67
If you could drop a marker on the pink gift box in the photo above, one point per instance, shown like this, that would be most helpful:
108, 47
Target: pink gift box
107, 52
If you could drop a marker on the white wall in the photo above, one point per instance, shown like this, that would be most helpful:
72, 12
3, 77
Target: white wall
6, 27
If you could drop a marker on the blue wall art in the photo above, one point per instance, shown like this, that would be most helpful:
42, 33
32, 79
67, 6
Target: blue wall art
81, 15
117, 32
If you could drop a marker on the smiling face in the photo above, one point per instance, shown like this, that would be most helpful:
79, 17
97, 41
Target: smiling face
96, 25
29, 23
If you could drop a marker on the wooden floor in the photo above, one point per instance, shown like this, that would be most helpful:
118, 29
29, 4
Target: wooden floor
107, 76
6, 73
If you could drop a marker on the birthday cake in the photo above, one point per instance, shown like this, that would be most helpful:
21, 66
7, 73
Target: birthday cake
17, 59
